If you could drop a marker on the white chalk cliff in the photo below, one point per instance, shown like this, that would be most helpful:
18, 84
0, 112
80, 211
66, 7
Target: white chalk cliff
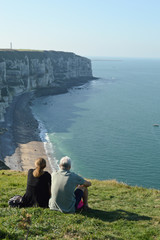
24, 71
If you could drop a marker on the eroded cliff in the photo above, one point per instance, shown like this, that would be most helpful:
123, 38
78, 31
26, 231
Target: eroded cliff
24, 71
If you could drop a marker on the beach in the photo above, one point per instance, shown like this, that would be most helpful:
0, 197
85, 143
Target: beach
20, 144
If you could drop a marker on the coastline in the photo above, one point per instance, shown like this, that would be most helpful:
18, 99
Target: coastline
43, 134
21, 144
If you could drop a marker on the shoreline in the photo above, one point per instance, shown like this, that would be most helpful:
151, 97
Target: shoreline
43, 134
21, 143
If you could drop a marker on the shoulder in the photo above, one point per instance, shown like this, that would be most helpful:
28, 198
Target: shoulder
56, 173
47, 174
75, 175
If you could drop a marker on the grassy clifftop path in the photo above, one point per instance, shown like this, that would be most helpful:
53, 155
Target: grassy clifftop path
118, 212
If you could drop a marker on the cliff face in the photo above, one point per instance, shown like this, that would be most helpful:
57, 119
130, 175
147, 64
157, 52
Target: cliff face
23, 71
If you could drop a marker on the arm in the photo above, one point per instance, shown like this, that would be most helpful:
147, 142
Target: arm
83, 182
86, 184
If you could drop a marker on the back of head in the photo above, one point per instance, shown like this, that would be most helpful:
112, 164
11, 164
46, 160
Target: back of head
40, 164
65, 163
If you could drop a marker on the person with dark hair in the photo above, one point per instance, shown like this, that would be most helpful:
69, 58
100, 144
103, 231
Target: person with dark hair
68, 189
38, 186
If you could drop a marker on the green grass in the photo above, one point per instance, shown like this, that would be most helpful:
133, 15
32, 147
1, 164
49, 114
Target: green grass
118, 212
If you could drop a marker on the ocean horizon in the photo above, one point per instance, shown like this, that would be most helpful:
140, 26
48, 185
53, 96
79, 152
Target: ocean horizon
107, 126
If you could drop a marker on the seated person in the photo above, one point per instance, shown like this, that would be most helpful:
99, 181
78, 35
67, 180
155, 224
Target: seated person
64, 197
38, 186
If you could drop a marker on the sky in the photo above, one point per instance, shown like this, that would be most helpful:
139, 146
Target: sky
107, 28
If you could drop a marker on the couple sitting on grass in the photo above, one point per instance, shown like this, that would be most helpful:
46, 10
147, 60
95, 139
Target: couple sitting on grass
64, 192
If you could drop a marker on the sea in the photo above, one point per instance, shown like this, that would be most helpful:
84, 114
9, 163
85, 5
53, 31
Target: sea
109, 127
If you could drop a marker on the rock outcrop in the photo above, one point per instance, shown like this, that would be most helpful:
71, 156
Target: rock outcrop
24, 71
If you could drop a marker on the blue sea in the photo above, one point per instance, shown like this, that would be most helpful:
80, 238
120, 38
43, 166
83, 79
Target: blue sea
107, 125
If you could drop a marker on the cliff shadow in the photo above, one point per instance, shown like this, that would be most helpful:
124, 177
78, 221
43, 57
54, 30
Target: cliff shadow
20, 125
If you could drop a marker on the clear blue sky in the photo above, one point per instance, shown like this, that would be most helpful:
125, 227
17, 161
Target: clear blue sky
113, 28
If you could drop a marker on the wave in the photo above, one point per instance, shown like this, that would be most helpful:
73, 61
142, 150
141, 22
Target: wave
47, 143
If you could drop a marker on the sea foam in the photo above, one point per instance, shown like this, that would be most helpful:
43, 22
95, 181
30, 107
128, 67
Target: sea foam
47, 144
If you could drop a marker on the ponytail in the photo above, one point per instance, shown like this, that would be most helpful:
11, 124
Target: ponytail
40, 164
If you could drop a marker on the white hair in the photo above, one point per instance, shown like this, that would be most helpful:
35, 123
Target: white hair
65, 163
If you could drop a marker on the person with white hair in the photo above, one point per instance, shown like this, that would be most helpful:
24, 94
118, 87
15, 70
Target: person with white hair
67, 189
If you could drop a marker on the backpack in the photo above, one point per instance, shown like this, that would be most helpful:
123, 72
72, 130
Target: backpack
15, 201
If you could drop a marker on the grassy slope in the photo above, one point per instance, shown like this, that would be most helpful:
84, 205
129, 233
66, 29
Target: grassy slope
118, 212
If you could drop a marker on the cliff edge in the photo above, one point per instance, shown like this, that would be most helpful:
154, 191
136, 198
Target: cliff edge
24, 71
